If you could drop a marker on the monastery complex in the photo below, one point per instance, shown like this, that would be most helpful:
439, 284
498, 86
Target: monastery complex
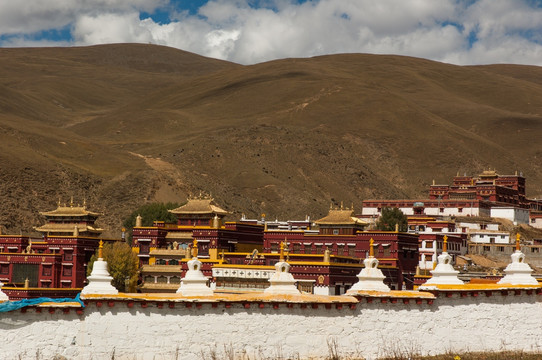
324, 256
253, 284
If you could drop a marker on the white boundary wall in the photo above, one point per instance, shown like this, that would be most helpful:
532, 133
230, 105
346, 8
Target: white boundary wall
496, 322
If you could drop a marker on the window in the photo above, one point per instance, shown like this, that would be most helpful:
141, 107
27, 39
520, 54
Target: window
340, 249
351, 251
46, 270
67, 271
297, 248
173, 262
68, 255
4, 269
460, 210
335, 231
143, 248
500, 248
387, 251
319, 249
274, 247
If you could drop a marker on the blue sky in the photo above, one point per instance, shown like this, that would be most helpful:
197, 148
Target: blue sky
252, 31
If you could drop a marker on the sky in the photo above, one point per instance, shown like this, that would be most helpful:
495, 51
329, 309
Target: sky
252, 31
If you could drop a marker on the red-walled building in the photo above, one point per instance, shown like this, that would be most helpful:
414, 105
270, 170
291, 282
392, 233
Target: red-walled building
55, 264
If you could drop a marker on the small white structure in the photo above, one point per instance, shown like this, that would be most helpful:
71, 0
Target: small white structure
370, 277
282, 282
194, 282
99, 281
515, 214
3, 296
518, 272
444, 273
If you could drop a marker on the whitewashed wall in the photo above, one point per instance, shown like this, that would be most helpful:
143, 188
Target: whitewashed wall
512, 322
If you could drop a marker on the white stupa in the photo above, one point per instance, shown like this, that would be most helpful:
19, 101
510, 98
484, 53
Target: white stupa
99, 281
518, 272
370, 277
194, 282
444, 273
3, 296
282, 282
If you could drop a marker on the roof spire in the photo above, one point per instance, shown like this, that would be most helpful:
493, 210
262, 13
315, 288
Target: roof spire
195, 249
282, 244
100, 250
517, 242
445, 244
371, 249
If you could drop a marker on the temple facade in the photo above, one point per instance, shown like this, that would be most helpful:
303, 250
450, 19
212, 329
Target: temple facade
325, 256
487, 195
55, 264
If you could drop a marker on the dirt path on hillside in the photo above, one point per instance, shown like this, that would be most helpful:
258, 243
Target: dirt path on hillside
169, 185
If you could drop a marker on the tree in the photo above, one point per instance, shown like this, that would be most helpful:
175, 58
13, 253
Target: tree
150, 213
122, 263
389, 218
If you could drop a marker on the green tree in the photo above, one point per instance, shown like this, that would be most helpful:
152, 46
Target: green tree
122, 263
389, 218
150, 213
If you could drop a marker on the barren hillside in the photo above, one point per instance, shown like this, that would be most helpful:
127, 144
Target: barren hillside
121, 125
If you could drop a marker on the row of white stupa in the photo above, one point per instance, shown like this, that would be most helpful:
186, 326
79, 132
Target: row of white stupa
370, 277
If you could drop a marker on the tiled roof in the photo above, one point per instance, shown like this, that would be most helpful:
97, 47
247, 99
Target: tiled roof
340, 217
199, 206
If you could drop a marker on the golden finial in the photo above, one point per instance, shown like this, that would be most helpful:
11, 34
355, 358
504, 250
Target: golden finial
195, 249
445, 244
71, 201
330, 206
222, 257
59, 201
100, 250
282, 244
84, 202
517, 242
371, 249
342, 205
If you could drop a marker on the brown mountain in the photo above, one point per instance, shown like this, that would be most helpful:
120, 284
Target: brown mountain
121, 125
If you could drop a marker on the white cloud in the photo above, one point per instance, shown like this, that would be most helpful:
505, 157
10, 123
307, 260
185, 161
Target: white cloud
504, 30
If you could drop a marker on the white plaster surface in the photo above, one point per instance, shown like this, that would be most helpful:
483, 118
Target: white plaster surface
512, 322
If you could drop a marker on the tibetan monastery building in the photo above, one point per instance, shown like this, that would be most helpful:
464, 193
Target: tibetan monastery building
55, 264
488, 195
241, 255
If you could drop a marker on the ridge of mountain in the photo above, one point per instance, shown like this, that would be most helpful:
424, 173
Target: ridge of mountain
125, 124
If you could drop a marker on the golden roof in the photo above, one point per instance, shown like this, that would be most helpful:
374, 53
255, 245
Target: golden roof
488, 174
183, 235
68, 228
70, 210
340, 217
146, 269
168, 252
199, 206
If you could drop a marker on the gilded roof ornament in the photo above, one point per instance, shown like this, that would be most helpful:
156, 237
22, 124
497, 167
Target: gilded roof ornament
445, 244
371, 248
